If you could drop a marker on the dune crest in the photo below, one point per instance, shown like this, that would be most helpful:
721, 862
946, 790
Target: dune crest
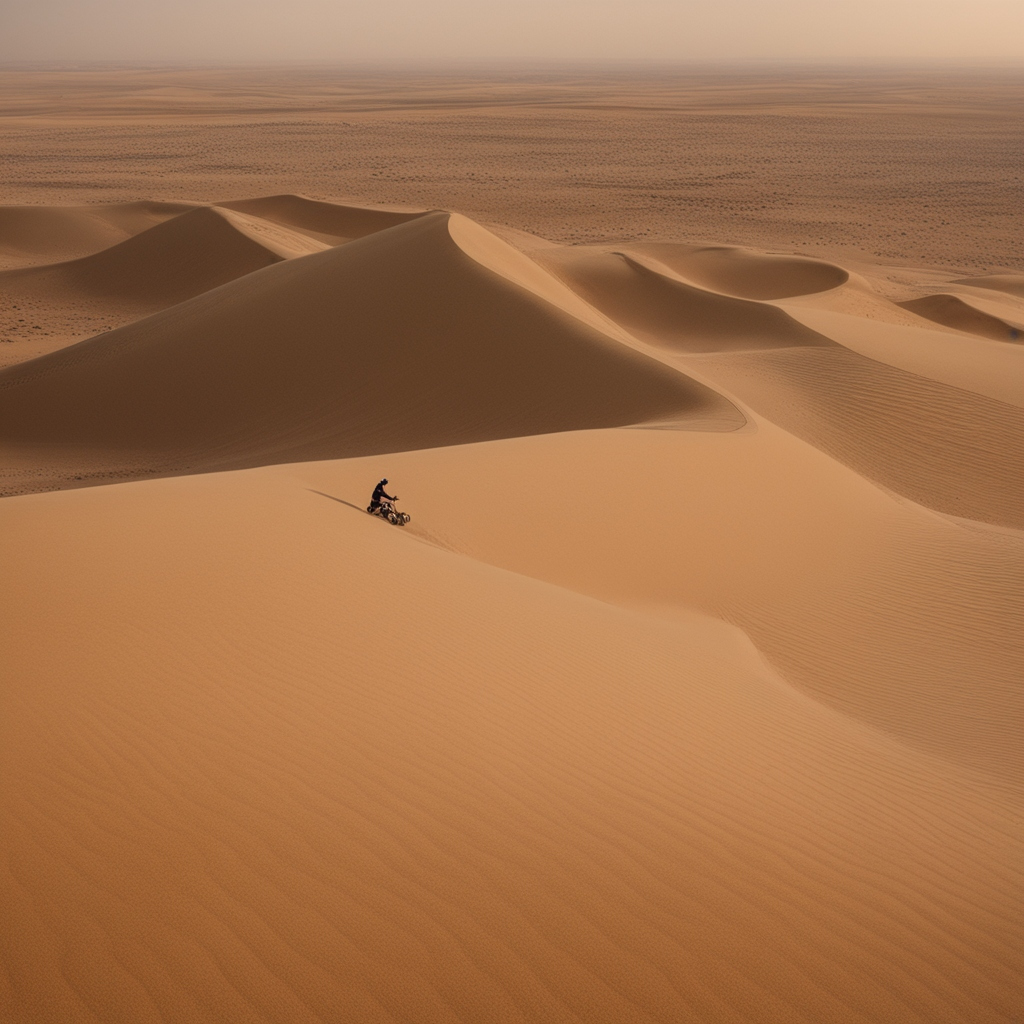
1011, 284
655, 306
746, 274
328, 222
46, 234
952, 311
166, 264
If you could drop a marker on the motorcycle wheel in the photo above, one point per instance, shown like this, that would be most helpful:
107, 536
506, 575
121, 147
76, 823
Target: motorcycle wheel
406, 518
392, 519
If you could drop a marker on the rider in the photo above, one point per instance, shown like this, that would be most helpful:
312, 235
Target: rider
378, 493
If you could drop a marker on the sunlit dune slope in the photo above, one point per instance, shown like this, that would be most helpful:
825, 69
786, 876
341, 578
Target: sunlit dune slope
749, 275
399, 340
329, 222
951, 311
268, 759
950, 449
878, 607
45, 234
647, 300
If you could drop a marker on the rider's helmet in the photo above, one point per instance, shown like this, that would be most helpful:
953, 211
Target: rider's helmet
385, 480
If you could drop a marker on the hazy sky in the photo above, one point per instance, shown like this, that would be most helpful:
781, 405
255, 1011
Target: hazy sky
969, 31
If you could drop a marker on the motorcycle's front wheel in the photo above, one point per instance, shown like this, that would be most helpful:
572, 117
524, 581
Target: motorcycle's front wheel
406, 518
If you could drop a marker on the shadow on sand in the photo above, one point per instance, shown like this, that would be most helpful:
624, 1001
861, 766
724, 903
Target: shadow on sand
340, 501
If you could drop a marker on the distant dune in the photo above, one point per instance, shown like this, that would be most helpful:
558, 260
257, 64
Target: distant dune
34, 234
951, 311
691, 693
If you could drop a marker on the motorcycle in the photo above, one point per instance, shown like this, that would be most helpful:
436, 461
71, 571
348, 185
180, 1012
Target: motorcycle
386, 510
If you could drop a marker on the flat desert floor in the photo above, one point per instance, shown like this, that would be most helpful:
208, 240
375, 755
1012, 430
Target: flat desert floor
694, 689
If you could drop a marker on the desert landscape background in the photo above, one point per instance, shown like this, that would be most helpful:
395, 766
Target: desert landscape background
693, 690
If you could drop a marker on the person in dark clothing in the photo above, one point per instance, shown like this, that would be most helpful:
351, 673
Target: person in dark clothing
378, 494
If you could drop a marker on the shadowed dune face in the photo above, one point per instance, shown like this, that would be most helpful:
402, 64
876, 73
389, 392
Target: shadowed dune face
43, 234
400, 340
951, 311
746, 274
668, 312
329, 222
166, 264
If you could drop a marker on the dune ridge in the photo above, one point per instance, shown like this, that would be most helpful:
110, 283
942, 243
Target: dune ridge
1011, 284
328, 222
45, 234
746, 274
952, 311
175, 260
656, 306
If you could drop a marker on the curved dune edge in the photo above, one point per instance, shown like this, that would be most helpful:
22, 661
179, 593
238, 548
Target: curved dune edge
176, 260
952, 311
46, 234
653, 305
877, 607
744, 273
332, 223
947, 448
397, 341
1011, 284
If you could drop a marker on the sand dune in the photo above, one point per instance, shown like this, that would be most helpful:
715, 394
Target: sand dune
176, 260
329, 222
947, 448
45, 234
691, 693
653, 306
952, 311
399, 340
757, 528
55, 305
746, 274
1012, 284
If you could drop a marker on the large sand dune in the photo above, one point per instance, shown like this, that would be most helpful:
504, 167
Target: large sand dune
399, 340
691, 693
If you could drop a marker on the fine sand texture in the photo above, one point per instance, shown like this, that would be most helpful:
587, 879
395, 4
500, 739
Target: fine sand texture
691, 693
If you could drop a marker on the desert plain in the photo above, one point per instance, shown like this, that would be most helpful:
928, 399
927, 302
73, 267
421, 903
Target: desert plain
693, 691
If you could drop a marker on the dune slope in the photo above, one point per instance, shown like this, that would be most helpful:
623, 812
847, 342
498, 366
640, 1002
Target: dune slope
330, 222
880, 608
166, 264
948, 448
45, 234
331, 773
746, 274
951, 311
399, 340
655, 307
